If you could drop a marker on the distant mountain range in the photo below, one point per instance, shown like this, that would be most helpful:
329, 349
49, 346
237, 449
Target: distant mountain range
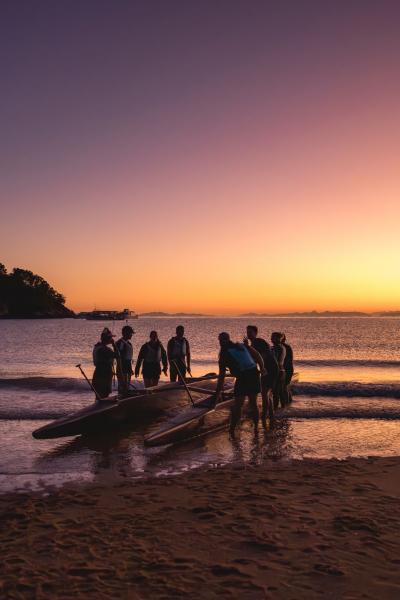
178, 314
313, 313
326, 313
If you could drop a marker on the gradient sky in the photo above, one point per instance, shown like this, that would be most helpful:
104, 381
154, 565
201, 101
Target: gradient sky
217, 156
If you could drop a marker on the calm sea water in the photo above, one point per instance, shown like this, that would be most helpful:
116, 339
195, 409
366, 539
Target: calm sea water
347, 400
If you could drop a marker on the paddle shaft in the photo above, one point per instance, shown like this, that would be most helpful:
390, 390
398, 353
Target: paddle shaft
181, 377
89, 382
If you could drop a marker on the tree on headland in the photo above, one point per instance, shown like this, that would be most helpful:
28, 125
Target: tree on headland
25, 294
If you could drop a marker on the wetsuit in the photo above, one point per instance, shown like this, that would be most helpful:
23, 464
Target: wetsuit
103, 359
151, 354
178, 350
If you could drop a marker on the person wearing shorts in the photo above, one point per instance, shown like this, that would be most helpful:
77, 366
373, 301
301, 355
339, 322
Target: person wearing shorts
241, 361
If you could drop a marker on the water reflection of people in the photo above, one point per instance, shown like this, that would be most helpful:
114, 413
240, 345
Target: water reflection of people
152, 354
242, 363
103, 359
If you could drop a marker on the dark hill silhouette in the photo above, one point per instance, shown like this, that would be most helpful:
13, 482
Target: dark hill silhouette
26, 295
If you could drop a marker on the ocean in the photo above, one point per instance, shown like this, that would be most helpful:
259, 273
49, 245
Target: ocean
347, 401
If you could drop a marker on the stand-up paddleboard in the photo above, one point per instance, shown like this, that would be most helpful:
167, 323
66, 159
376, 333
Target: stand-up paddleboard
109, 413
201, 414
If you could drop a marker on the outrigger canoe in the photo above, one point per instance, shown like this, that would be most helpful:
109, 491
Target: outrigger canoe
203, 414
105, 414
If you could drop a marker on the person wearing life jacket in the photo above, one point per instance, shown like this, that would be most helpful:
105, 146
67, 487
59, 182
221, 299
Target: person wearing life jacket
288, 366
103, 359
242, 363
124, 364
279, 353
268, 380
152, 354
178, 351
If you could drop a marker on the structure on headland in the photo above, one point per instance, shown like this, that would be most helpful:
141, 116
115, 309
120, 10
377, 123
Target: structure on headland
109, 315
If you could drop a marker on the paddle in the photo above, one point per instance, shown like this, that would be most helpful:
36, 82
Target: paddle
89, 382
181, 377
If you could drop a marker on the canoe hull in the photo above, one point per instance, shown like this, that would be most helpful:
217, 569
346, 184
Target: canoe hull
111, 413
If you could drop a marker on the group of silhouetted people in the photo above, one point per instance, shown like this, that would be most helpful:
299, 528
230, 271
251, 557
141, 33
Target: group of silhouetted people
272, 378
257, 366
152, 360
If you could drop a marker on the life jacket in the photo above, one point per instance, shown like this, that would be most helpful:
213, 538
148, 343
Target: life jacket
153, 354
240, 359
179, 348
102, 356
125, 349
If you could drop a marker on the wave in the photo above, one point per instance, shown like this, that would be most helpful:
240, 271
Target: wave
62, 384
345, 413
322, 362
29, 414
347, 363
348, 389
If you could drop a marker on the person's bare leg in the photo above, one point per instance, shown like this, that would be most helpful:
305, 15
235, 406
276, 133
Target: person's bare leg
236, 413
254, 409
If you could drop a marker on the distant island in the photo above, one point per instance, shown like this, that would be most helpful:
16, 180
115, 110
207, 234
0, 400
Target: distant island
178, 314
24, 295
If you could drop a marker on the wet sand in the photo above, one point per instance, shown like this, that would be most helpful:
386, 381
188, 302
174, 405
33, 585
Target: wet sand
302, 529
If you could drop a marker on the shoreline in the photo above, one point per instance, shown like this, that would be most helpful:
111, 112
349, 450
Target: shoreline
298, 529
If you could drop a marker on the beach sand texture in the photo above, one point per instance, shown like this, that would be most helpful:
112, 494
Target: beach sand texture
297, 530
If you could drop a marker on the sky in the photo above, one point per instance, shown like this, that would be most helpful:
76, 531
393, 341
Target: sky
215, 156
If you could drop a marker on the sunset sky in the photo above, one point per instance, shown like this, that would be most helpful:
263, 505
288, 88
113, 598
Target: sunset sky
213, 156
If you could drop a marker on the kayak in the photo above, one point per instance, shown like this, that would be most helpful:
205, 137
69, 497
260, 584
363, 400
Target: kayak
203, 413
141, 405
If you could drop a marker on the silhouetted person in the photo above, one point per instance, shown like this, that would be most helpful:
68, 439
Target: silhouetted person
279, 353
152, 354
124, 364
288, 366
268, 380
103, 359
178, 351
242, 363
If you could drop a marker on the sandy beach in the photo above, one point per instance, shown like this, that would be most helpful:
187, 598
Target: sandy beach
288, 530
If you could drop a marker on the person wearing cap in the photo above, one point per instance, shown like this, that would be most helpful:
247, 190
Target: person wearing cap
241, 361
103, 359
124, 363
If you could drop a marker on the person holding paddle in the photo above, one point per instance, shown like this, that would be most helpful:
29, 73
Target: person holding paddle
178, 351
103, 359
242, 363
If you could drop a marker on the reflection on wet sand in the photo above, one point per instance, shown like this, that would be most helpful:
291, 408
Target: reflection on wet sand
121, 453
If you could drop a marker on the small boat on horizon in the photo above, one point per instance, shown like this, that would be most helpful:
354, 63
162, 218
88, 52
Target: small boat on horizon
109, 315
